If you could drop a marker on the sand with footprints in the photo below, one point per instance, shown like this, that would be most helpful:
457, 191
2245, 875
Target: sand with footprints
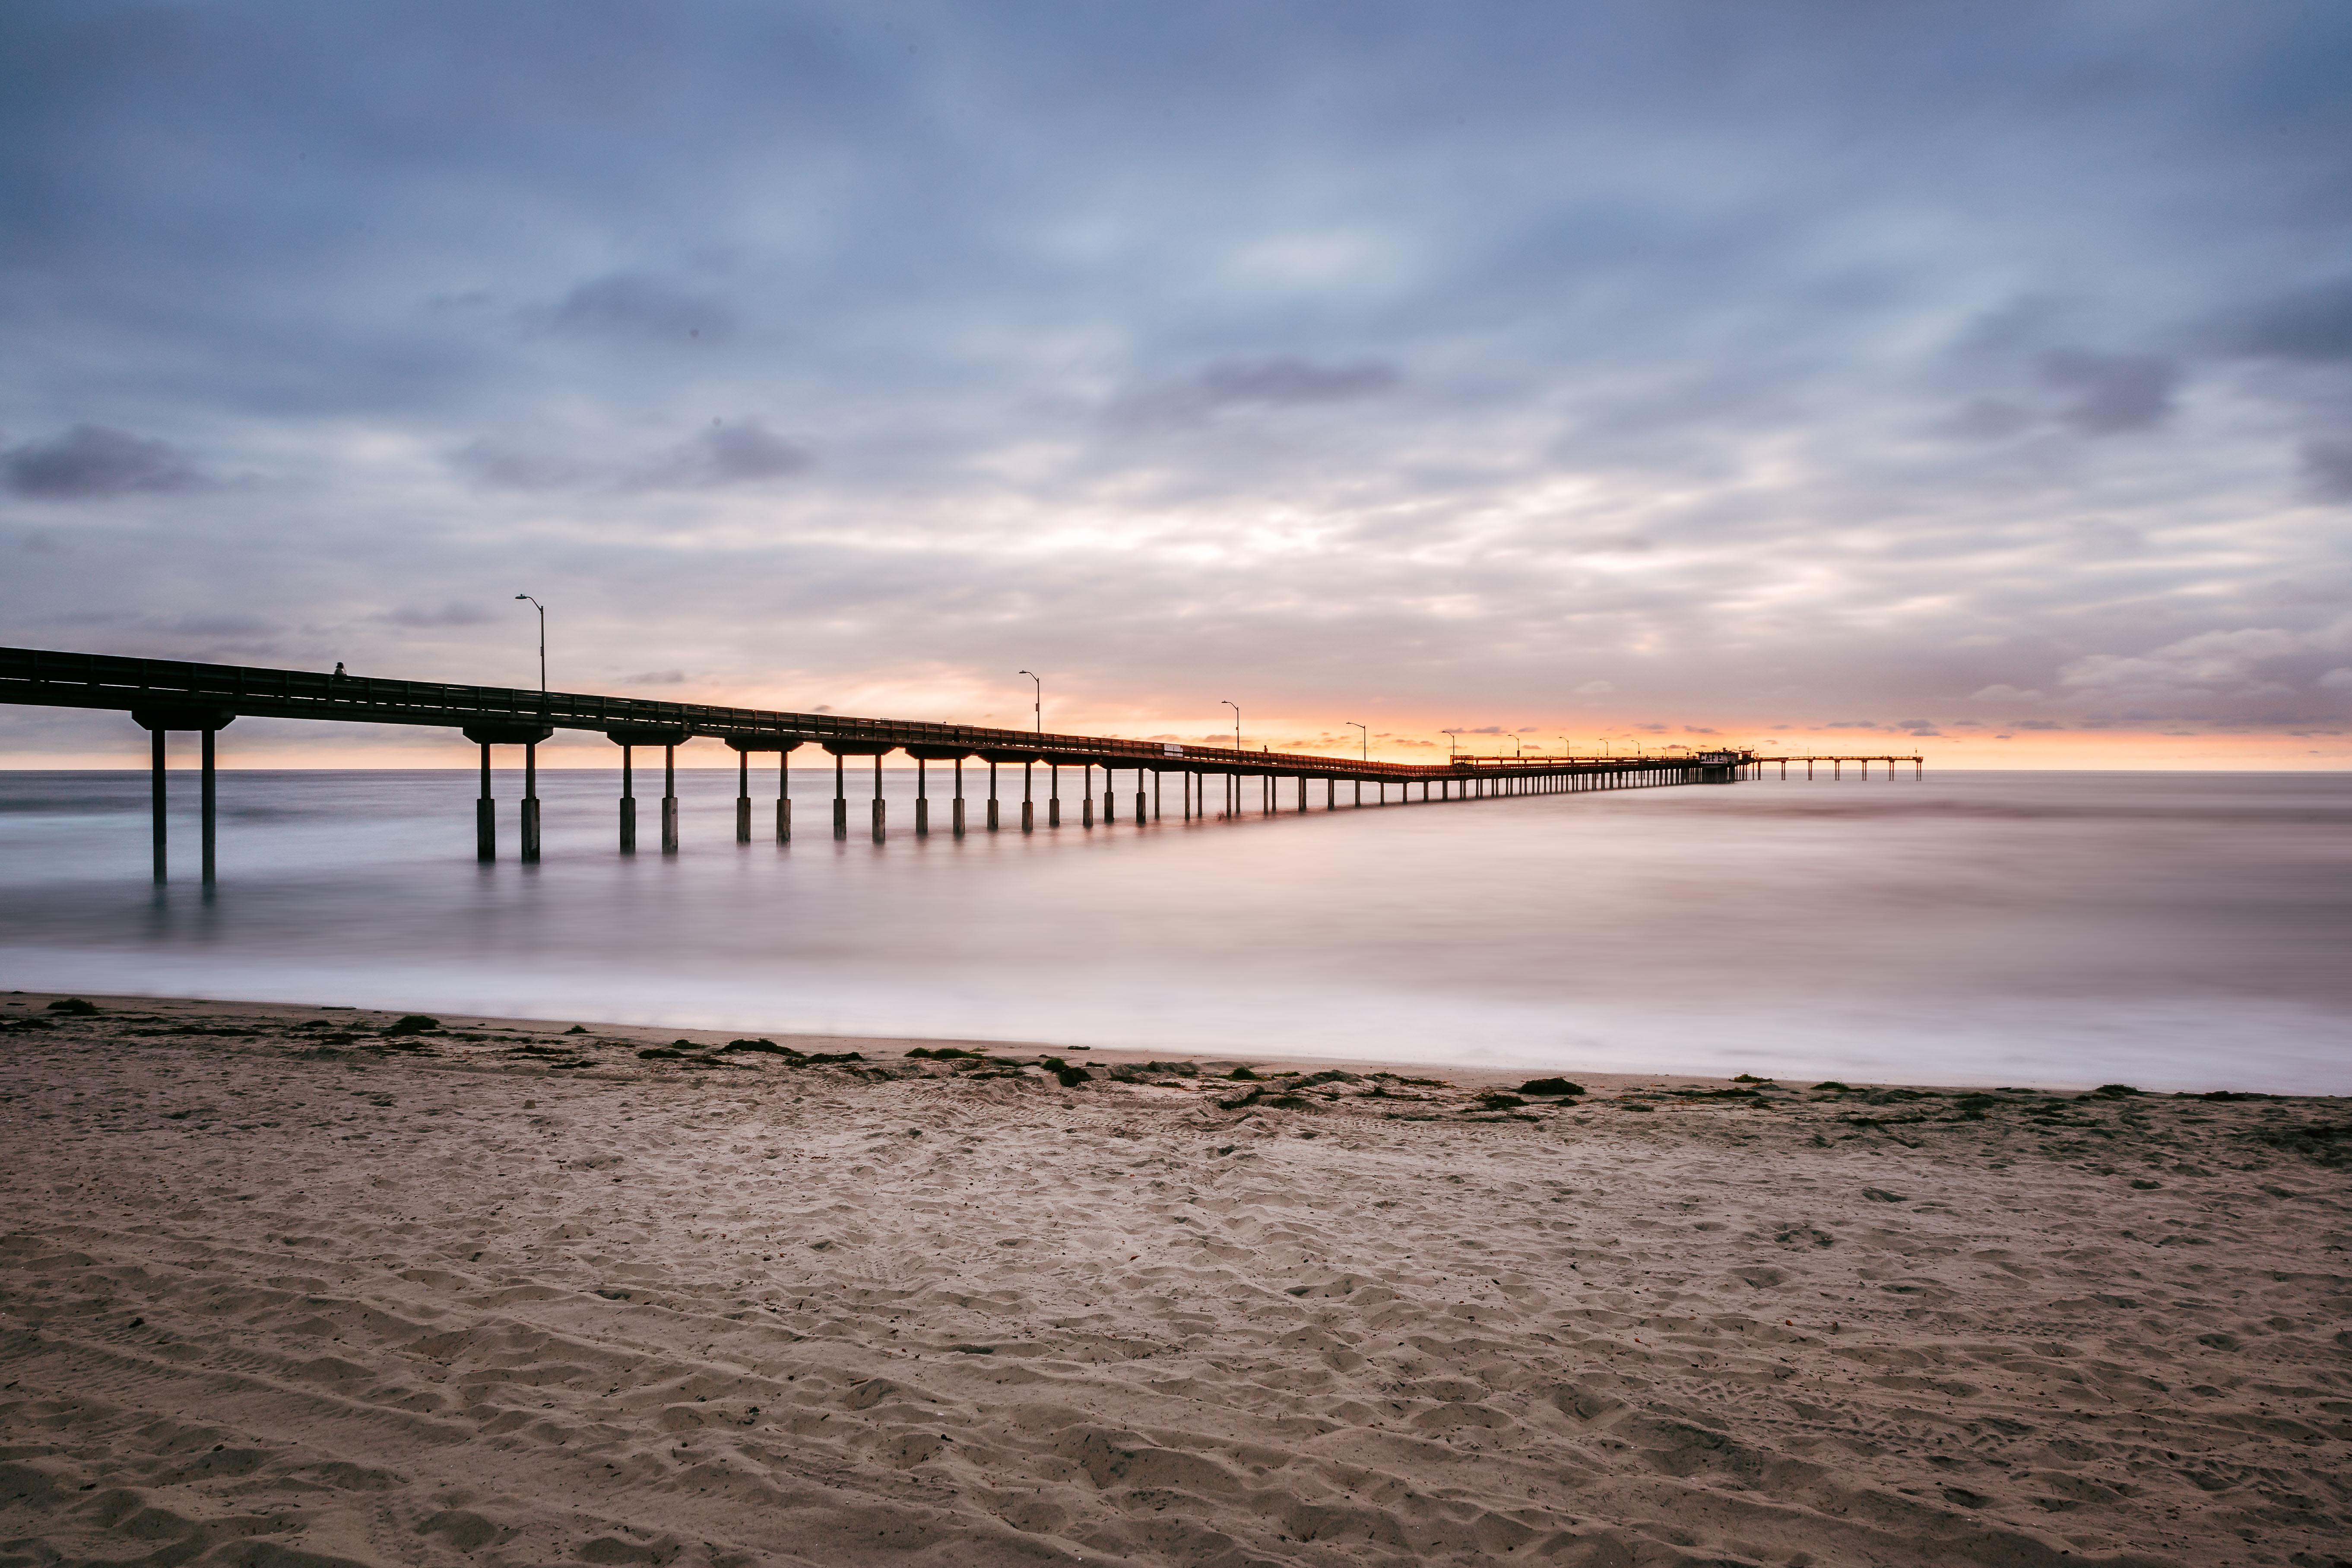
277, 1286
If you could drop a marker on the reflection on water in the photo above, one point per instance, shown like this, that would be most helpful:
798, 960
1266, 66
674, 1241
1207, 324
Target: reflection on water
2172, 930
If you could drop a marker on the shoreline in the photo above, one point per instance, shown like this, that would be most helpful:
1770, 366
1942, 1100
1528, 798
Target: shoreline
356, 1292
454, 1025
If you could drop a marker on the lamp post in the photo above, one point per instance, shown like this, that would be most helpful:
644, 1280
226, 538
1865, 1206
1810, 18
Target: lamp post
542, 641
1452, 745
1237, 720
1039, 709
1366, 737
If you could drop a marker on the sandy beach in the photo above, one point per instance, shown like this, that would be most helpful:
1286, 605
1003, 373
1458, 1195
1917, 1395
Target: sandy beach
279, 1287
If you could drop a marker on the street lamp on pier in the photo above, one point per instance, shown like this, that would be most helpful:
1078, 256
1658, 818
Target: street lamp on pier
542, 641
1039, 709
1237, 720
1366, 737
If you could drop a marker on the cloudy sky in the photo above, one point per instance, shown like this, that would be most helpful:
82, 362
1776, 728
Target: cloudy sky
1793, 373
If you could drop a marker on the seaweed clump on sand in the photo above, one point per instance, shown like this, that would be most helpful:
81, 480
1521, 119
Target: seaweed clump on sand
1559, 1086
2321, 1143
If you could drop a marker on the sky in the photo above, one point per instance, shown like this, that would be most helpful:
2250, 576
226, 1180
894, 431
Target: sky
1967, 379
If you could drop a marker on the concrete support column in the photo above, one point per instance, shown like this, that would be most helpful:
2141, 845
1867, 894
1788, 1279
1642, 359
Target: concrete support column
210, 803
991, 797
531, 805
628, 801
1155, 795
669, 800
1086, 803
840, 800
742, 797
878, 807
1054, 794
156, 799
784, 797
486, 813
1139, 818
956, 825
923, 799
1028, 797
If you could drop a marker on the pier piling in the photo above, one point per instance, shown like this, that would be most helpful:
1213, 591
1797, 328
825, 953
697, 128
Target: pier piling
669, 800
486, 813
530, 804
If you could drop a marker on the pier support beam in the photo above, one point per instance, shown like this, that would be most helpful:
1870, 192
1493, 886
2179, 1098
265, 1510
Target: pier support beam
628, 800
991, 797
922, 798
210, 802
1054, 794
1087, 800
531, 805
669, 800
485, 817
879, 808
1028, 797
486, 814
958, 814
158, 799
840, 800
159, 722
742, 797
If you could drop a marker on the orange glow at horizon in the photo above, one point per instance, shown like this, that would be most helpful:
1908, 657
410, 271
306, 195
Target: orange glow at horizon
265, 743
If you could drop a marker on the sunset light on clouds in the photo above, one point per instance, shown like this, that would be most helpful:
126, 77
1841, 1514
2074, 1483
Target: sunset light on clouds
1973, 380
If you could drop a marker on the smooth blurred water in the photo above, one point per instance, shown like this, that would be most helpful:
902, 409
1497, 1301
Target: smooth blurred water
2171, 930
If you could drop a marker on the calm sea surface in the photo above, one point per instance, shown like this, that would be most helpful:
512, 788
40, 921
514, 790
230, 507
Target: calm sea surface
2176, 931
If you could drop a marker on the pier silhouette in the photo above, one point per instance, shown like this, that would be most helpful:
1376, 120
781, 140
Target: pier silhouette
165, 695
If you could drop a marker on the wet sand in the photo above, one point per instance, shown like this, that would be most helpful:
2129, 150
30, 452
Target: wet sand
278, 1288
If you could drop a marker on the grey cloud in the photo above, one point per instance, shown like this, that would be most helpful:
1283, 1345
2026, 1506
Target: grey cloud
2327, 469
495, 467
1984, 419
635, 306
2312, 324
1280, 382
655, 677
2114, 392
451, 614
91, 461
742, 453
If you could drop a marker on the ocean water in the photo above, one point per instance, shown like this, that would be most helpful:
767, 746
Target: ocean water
2174, 931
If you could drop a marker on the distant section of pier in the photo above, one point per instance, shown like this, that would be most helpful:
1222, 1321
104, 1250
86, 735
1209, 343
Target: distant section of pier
164, 695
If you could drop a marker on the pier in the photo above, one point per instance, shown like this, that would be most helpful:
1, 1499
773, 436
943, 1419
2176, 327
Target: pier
164, 695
